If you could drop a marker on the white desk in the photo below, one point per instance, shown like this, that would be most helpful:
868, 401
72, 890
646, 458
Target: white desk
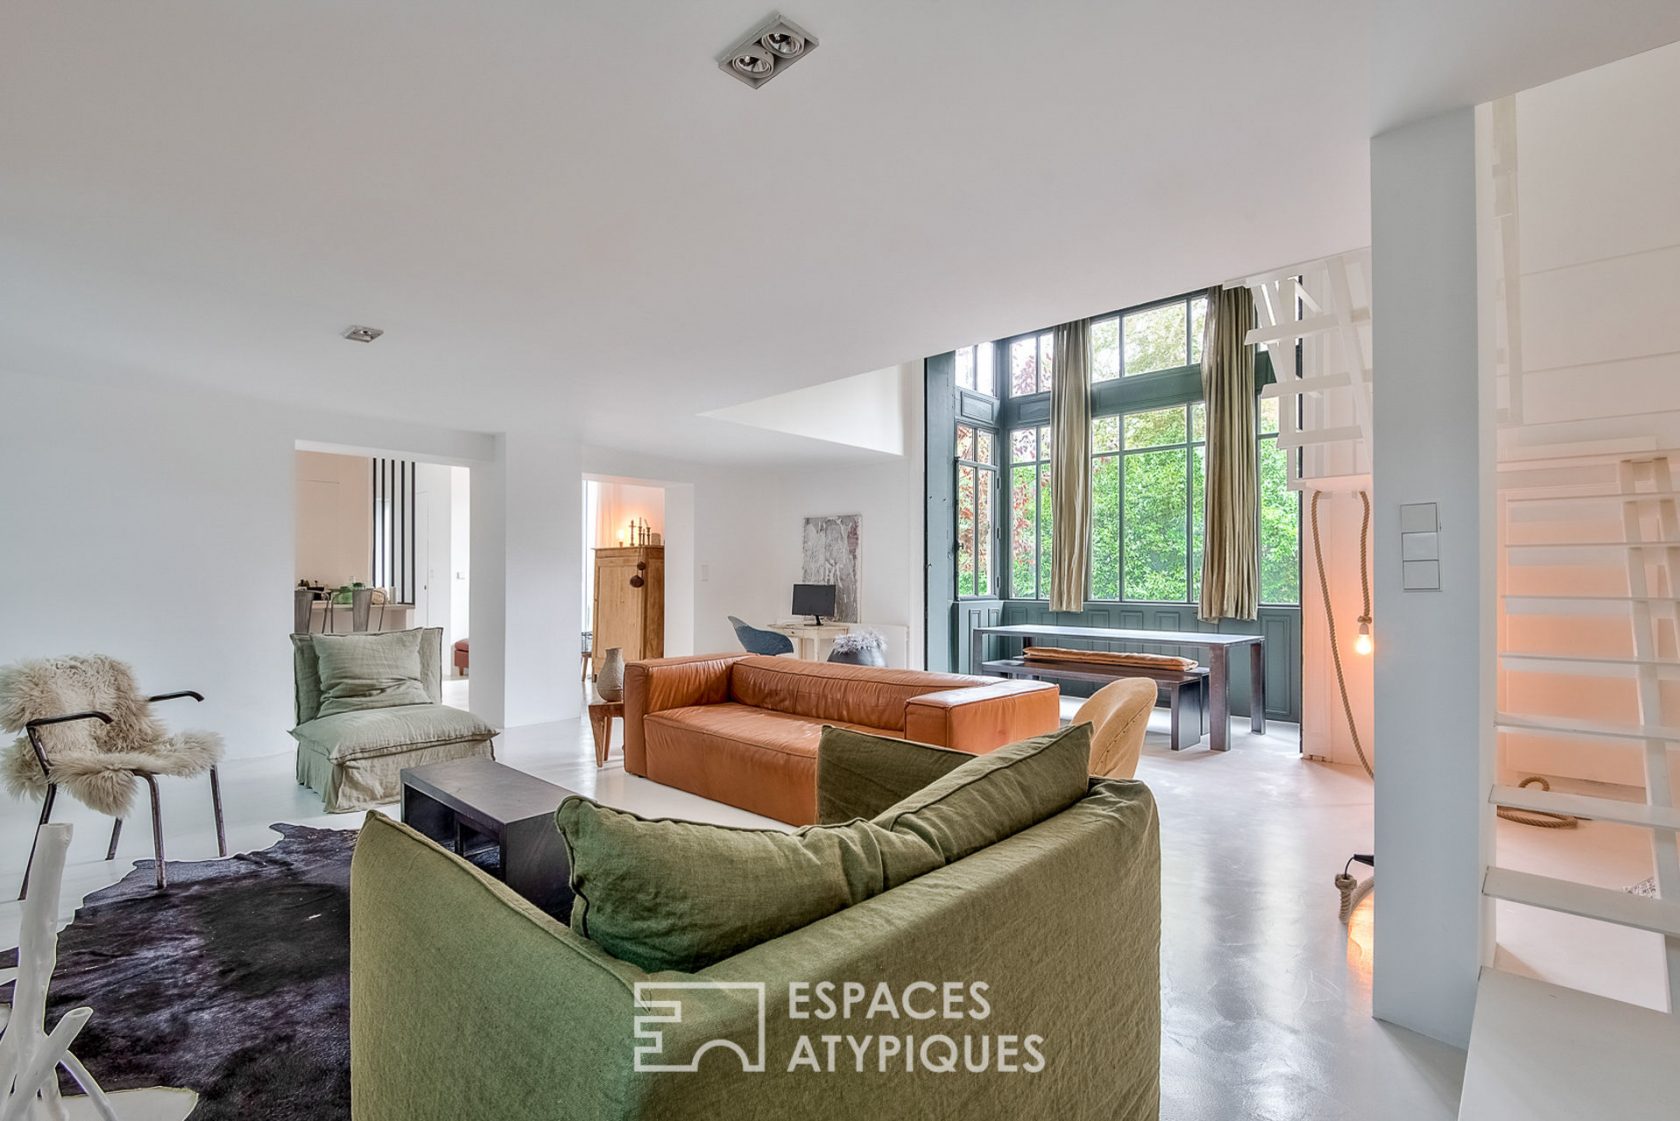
810, 642
813, 643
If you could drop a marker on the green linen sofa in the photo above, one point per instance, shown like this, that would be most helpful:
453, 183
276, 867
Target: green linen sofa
354, 760
466, 1001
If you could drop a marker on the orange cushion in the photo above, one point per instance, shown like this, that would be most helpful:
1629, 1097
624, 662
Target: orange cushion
868, 696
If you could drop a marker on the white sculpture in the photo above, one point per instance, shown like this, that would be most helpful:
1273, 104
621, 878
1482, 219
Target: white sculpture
29, 1054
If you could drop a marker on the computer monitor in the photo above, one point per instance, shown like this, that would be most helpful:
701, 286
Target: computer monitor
815, 600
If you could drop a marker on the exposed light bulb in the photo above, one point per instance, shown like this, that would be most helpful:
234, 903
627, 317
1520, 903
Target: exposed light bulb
1362, 644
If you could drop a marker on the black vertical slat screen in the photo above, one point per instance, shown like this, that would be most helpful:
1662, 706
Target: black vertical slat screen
393, 528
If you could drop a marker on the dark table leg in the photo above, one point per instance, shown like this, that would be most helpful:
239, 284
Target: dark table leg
976, 651
1257, 686
1219, 681
536, 865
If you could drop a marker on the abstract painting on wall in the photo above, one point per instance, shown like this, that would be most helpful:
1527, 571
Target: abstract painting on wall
830, 552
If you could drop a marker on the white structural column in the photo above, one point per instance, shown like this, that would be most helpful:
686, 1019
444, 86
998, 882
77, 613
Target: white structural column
1433, 442
527, 614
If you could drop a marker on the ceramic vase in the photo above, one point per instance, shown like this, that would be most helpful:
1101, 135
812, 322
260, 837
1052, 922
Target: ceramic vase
609, 680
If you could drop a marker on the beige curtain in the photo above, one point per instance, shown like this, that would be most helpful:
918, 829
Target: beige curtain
1231, 548
1070, 463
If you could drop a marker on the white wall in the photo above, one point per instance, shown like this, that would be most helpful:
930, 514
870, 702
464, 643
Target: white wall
751, 525
1433, 669
434, 507
156, 524
460, 560
334, 519
862, 411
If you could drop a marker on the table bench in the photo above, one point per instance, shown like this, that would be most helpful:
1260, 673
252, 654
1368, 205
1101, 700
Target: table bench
1178, 688
1218, 662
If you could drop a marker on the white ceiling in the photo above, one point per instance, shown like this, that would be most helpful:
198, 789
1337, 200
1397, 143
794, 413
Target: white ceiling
562, 213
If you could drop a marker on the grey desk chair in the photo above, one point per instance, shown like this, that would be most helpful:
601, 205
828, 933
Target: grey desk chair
755, 640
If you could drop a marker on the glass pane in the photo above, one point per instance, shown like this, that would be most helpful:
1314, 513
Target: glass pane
1155, 509
1023, 367
1268, 415
1105, 349
1046, 359
1198, 324
983, 534
985, 369
1105, 527
983, 450
1105, 434
1155, 339
1023, 532
1046, 443
1045, 519
1280, 528
965, 442
965, 531
965, 367
1155, 427
1023, 445
1198, 422
1198, 518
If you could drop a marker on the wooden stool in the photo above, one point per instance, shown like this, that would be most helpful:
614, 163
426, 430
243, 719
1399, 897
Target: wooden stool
601, 715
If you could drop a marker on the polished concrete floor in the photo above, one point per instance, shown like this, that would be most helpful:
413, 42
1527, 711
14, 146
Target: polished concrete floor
1266, 998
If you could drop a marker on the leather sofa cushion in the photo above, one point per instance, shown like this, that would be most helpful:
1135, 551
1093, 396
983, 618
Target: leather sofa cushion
864, 696
998, 794
681, 895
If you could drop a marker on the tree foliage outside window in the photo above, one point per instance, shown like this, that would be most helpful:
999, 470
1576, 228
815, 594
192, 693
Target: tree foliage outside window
976, 499
977, 368
1030, 518
1148, 464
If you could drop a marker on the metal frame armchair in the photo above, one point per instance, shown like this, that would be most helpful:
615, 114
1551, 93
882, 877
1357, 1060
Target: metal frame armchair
100, 772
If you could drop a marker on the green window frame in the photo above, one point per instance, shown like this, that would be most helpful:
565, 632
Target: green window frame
976, 511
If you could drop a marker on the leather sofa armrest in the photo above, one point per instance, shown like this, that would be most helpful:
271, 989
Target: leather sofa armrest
664, 683
979, 718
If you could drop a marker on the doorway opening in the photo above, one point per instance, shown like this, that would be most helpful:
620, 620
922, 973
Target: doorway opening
398, 526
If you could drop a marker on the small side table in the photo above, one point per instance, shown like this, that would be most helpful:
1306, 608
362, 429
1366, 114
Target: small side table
601, 715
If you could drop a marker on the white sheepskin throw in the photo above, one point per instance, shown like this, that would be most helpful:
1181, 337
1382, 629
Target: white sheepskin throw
94, 761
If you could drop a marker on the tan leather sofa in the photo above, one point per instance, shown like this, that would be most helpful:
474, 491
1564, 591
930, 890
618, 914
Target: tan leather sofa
743, 729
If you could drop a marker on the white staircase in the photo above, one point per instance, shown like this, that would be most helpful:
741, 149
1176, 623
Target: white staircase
1589, 624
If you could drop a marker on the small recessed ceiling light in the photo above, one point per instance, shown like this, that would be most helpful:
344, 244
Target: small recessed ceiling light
784, 43
770, 48
361, 334
753, 62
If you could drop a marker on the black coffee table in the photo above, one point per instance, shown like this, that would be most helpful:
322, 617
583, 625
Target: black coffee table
480, 804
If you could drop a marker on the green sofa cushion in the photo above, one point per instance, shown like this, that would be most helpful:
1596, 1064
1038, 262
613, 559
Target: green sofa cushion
998, 794
369, 671
306, 672
859, 774
377, 731
680, 895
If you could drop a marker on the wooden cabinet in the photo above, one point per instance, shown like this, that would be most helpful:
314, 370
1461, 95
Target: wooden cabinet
630, 602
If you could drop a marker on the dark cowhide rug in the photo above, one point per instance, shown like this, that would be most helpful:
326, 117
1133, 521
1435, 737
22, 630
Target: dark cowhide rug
234, 981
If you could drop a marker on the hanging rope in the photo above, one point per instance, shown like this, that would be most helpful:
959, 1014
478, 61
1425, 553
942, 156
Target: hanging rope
1330, 614
1540, 819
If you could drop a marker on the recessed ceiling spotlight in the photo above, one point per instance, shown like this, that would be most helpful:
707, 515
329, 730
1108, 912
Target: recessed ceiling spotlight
770, 48
361, 334
752, 62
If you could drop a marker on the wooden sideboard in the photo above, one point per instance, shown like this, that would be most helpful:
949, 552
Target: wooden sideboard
629, 614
